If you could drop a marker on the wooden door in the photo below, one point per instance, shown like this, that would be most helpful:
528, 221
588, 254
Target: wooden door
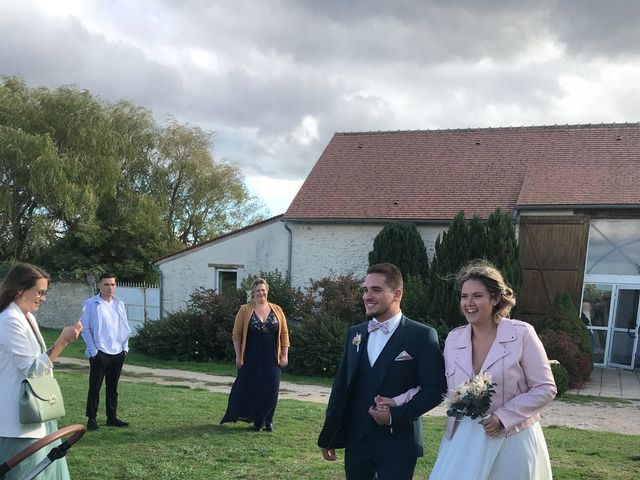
552, 251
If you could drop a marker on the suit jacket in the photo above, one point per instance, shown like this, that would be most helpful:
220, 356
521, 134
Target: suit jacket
518, 366
22, 353
425, 368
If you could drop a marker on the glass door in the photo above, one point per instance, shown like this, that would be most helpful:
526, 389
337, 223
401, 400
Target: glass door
596, 307
624, 327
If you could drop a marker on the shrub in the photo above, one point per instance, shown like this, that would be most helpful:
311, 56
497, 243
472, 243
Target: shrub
400, 243
177, 336
560, 376
563, 320
339, 298
202, 332
561, 346
316, 346
217, 313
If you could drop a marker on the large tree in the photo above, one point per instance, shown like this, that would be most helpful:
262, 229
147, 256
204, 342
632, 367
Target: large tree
200, 197
86, 184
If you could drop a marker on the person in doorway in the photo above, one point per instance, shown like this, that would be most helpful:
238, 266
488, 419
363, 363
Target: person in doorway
387, 355
106, 333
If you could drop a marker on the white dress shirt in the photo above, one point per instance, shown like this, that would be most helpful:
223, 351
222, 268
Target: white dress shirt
378, 339
105, 326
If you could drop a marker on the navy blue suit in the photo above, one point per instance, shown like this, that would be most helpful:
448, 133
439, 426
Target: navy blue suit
348, 423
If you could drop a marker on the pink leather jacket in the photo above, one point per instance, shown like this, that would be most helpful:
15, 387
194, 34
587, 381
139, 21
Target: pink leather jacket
518, 366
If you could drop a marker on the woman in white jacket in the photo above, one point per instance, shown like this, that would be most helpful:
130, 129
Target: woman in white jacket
23, 353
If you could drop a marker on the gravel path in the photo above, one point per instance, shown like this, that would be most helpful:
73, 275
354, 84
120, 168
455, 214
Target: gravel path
622, 416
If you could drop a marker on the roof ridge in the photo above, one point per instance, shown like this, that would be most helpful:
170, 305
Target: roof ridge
220, 237
482, 129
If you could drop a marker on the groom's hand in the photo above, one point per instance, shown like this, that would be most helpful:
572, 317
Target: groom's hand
329, 454
380, 414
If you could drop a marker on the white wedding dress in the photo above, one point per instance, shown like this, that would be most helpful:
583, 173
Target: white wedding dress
471, 454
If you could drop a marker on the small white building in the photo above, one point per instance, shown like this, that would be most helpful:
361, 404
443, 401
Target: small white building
223, 262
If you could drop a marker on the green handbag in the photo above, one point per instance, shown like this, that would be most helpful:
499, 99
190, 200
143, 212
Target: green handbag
40, 400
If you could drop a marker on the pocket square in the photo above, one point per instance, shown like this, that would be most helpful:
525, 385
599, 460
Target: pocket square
403, 356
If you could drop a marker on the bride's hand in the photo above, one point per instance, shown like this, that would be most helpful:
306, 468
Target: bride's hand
492, 425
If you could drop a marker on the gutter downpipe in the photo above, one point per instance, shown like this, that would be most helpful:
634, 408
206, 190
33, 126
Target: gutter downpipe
289, 249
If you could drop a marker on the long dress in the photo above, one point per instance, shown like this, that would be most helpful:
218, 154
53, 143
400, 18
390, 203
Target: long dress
254, 393
471, 453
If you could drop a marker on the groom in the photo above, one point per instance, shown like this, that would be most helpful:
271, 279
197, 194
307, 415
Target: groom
386, 356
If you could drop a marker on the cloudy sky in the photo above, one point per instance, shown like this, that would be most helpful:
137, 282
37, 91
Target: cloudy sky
276, 78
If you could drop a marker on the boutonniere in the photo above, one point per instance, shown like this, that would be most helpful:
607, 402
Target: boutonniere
356, 341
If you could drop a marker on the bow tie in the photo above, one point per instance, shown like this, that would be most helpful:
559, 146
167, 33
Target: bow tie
375, 325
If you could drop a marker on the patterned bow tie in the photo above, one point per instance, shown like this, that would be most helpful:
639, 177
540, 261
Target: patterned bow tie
375, 325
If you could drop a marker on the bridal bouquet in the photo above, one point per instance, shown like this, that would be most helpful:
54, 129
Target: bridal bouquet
472, 398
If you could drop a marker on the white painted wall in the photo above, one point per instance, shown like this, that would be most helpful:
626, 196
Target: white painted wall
329, 249
262, 248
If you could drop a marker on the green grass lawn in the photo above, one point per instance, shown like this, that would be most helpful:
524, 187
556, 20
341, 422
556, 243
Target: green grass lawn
77, 348
174, 434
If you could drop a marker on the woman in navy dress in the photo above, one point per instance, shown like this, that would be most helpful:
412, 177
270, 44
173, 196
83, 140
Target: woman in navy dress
261, 343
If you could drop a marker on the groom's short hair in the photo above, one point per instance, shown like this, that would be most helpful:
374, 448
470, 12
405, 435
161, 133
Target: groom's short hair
392, 274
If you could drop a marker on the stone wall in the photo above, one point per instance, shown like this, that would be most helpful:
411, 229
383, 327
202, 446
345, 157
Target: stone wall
331, 249
64, 304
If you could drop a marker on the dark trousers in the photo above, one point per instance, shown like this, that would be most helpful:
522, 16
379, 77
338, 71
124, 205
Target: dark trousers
360, 463
104, 367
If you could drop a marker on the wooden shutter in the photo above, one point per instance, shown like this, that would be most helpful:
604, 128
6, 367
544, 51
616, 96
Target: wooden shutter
552, 251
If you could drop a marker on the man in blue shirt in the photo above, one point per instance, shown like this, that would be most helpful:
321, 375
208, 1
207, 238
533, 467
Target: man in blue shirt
105, 330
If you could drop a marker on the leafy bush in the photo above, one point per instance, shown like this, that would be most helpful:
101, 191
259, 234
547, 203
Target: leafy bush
202, 332
339, 298
316, 346
561, 346
560, 376
327, 308
563, 321
175, 337
217, 313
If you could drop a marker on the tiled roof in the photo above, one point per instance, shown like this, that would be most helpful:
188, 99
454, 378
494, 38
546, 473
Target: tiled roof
431, 175
218, 238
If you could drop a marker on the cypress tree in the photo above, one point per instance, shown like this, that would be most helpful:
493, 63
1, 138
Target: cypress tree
493, 240
450, 254
503, 250
400, 243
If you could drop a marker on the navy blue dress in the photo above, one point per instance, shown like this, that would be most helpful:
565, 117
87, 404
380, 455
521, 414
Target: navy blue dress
254, 393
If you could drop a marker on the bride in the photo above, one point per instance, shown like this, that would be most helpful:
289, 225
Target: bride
509, 443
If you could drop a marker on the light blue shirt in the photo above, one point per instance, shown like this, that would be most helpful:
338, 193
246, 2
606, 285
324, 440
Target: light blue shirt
105, 326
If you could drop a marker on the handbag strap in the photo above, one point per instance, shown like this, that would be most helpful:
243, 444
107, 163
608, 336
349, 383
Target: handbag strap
35, 333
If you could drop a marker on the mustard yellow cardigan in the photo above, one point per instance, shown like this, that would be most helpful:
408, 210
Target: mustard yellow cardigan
241, 326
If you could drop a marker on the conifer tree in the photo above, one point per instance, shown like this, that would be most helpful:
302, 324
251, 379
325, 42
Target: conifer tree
450, 254
400, 243
503, 250
493, 239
